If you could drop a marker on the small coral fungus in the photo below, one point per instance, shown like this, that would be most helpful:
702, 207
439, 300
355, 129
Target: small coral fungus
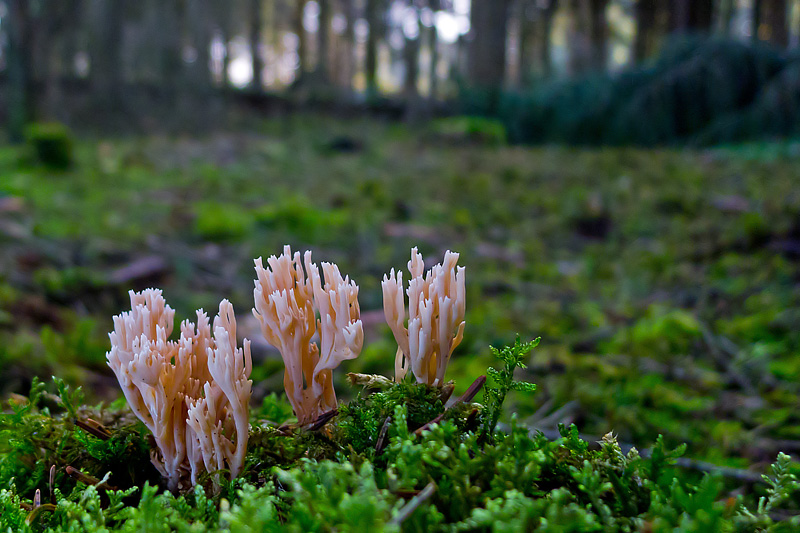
436, 306
286, 300
192, 394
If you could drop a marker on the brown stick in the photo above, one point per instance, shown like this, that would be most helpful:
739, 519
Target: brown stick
381, 444
322, 419
74, 473
93, 428
409, 508
468, 395
53, 484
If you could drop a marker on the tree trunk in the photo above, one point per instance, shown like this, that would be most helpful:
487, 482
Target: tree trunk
644, 42
580, 46
487, 53
371, 60
771, 22
302, 45
727, 9
691, 15
755, 21
20, 98
433, 78
323, 41
598, 33
546, 33
525, 21
411, 62
106, 66
256, 43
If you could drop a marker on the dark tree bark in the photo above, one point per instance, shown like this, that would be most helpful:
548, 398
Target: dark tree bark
300, 31
346, 53
691, 15
487, 52
598, 33
20, 98
771, 24
411, 61
373, 15
525, 20
580, 47
545, 37
106, 66
256, 21
726, 11
433, 45
755, 21
644, 42
323, 41
433, 78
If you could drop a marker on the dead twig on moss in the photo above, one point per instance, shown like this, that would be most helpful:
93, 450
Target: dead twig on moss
76, 474
467, 397
93, 427
409, 508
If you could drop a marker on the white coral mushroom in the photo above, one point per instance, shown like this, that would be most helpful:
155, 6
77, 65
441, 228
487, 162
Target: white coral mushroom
192, 394
286, 298
436, 308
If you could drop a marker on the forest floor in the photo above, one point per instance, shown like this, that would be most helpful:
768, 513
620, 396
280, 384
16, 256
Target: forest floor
665, 284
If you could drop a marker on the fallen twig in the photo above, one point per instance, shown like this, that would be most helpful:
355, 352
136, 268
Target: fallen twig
76, 474
467, 397
409, 508
322, 419
93, 428
381, 444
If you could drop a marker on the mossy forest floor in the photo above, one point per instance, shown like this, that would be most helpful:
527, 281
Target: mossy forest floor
665, 284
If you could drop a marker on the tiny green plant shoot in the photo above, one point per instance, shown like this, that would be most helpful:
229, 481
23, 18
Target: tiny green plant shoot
501, 382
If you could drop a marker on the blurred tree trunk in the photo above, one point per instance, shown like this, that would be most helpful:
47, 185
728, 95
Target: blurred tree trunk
20, 100
55, 34
323, 42
433, 47
598, 33
691, 15
411, 61
580, 46
755, 20
433, 78
771, 22
256, 38
373, 16
487, 52
726, 11
302, 47
106, 65
526, 21
644, 42
545, 37
347, 53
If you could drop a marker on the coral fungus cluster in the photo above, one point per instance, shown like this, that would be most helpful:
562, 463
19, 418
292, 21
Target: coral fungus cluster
286, 299
436, 306
193, 393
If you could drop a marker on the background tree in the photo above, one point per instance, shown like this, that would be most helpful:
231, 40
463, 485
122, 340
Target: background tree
487, 50
771, 21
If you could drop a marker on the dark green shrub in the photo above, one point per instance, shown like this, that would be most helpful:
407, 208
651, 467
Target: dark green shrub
51, 143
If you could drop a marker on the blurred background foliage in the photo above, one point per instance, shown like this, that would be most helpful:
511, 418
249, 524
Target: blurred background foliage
619, 176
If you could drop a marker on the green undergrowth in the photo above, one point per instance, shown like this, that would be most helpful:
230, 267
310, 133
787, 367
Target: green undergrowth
379, 465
